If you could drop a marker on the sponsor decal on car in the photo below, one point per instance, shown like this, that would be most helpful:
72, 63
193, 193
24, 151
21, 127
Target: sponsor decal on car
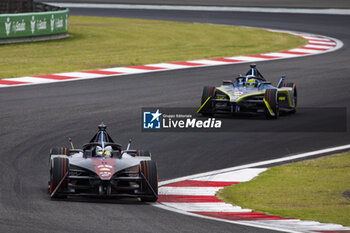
104, 167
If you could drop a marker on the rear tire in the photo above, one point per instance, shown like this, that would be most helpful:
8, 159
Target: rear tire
209, 108
59, 167
59, 151
149, 169
271, 99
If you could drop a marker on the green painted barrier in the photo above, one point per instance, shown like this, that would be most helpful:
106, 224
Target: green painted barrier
33, 24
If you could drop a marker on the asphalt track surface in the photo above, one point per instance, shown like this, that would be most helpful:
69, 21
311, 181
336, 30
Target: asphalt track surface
35, 118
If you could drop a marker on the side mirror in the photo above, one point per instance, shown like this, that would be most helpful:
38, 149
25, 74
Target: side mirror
227, 82
88, 153
115, 154
281, 81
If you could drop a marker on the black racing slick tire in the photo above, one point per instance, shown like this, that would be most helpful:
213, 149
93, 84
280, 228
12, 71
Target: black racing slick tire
271, 99
59, 151
149, 186
295, 95
209, 108
58, 170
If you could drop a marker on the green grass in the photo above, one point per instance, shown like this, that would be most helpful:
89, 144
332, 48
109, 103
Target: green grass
309, 190
97, 42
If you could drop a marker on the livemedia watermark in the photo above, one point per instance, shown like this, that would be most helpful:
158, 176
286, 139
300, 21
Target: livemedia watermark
161, 119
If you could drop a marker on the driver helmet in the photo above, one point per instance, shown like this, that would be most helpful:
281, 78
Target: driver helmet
99, 151
252, 82
108, 151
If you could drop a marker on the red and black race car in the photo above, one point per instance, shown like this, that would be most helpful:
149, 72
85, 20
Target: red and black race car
103, 169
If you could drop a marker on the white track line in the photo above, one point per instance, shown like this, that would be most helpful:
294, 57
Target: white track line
322, 42
239, 176
193, 191
204, 8
33, 80
80, 75
126, 70
169, 66
208, 207
282, 55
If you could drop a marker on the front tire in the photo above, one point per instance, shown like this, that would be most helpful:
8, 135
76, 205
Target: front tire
59, 168
271, 99
209, 108
59, 151
295, 95
148, 169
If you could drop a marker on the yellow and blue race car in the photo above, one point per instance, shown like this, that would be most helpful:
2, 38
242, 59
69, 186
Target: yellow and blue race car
250, 94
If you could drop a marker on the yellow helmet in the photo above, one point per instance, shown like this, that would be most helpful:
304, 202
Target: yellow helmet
252, 82
107, 151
